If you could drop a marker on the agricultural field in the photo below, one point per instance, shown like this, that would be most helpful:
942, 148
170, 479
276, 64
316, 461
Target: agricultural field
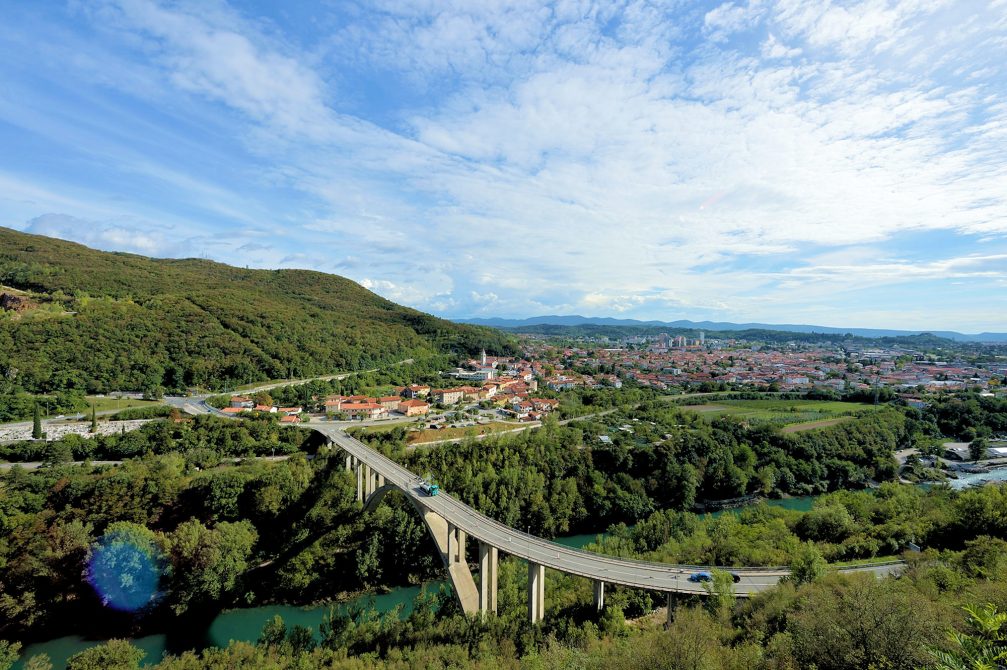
791, 415
110, 403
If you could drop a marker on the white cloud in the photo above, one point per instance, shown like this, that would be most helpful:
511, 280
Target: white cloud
102, 235
723, 21
773, 48
589, 156
205, 52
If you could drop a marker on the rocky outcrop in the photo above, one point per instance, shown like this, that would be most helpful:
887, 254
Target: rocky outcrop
14, 303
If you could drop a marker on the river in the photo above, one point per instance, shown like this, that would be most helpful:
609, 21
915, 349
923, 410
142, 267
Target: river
246, 623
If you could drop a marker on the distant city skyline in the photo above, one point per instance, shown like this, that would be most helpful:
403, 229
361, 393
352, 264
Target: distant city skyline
775, 161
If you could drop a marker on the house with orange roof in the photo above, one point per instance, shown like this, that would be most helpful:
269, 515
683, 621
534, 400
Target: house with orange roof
447, 396
391, 402
363, 410
414, 407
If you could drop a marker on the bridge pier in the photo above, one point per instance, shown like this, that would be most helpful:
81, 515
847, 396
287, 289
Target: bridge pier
487, 578
360, 482
536, 592
599, 595
672, 606
456, 545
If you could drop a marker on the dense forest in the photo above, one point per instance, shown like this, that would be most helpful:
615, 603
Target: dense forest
96, 321
210, 521
567, 478
257, 531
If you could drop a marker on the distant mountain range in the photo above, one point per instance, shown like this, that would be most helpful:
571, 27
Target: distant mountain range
576, 320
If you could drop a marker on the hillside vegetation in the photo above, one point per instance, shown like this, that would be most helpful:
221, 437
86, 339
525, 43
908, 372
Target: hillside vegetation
106, 321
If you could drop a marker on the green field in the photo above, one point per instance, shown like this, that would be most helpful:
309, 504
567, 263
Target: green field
111, 403
797, 413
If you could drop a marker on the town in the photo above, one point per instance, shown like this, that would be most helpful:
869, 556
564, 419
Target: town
679, 363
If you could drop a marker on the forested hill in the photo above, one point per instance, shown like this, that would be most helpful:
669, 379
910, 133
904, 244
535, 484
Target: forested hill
76, 318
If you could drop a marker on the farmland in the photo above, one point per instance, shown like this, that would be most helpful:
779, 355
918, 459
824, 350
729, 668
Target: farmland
792, 415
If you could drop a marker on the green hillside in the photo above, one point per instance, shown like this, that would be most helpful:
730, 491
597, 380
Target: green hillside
90, 320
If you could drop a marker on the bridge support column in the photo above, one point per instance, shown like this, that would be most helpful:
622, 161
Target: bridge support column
360, 482
381, 482
672, 606
456, 545
349, 463
487, 578
599, 595
536, 592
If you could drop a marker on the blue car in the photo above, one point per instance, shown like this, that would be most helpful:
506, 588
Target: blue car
701, 577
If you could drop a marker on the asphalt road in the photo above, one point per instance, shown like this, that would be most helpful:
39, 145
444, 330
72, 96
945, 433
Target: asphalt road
627, 572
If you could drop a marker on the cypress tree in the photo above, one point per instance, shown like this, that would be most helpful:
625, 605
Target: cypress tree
94, 420
36, 427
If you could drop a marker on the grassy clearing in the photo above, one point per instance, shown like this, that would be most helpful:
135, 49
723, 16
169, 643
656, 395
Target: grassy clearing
384, 428
811, 425
422, 436
865, 561
109, 403
792, 415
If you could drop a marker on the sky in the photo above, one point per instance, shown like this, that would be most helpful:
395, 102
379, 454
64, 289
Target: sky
782, 161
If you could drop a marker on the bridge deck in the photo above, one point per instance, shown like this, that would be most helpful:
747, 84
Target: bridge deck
626, 572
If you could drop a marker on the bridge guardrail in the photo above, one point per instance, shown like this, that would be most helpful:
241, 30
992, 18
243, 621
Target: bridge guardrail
548, 545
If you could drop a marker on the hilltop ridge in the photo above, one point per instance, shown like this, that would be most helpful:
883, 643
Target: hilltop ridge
102, 321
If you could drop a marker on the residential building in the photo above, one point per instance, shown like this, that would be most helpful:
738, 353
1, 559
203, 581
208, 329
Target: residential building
413, 407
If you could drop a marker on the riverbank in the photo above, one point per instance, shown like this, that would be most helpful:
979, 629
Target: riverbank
245, 624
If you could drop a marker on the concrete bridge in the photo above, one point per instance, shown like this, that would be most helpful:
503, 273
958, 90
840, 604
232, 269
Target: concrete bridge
452, 524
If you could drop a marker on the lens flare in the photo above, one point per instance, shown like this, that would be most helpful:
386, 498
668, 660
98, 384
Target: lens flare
125, 571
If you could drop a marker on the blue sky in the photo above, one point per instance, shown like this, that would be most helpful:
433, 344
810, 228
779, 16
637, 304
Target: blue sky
800, 161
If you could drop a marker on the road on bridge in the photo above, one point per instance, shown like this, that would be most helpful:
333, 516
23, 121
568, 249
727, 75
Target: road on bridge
626, 572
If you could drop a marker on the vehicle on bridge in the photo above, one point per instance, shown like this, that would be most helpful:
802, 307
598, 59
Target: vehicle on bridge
430, 488
704, 576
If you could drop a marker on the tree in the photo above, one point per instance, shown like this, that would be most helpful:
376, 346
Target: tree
94, 420
125, 566
807, 564
207, 563
977, 448
983, 647
113, 655
39, 662
720, 593
856, 622
36, 426
274, 633
9, 652
58, 452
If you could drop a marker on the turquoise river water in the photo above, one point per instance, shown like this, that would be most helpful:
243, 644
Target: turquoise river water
246, 623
